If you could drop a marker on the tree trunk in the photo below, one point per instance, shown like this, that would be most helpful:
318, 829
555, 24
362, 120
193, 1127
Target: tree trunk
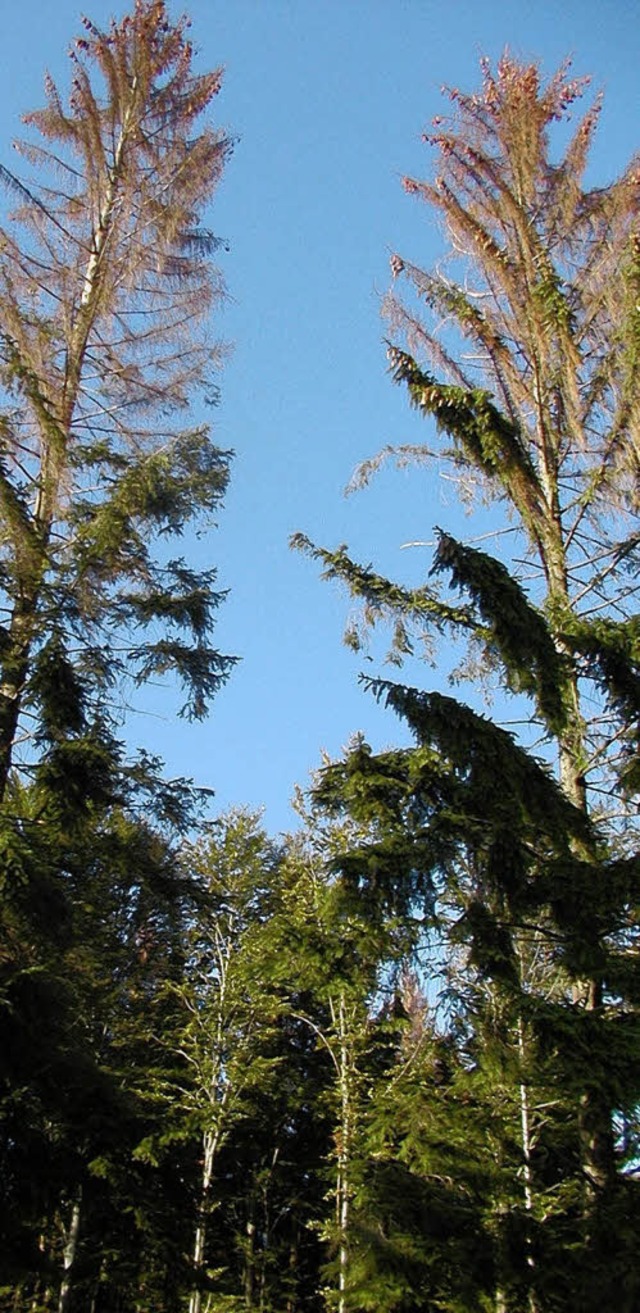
292, 1300
30, 549
596, 1131
343, 1184
70, 1253
525, 1127
210, 1144
594, 1113
249, 1252
13, 676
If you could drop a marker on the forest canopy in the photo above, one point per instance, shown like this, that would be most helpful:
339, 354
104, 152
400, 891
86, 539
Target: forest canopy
391, 1060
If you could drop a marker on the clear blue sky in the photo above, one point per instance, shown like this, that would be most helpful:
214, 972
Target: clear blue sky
327, 99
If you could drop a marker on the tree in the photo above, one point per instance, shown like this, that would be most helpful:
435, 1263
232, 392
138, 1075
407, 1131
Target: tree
552, 315
225, 1012
93, 924
337, 967
541, 414
420, 1217
105, 292
338, 979
106, 289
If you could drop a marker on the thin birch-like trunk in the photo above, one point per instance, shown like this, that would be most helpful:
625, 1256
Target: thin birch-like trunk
343, 1184
210, 1144
525, 1127
250, 1255
70, 1253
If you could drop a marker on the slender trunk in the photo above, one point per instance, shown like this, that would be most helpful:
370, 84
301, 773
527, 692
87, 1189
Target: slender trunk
596, 1130
210, 1144
14, 673
41, 1296
249, 1252
342, 1211
526, 1146
55, 425
292, 1299
525, 1126
102, 1274
501, 1301
70, 1253
344, 1154
266, 1231
594, 1113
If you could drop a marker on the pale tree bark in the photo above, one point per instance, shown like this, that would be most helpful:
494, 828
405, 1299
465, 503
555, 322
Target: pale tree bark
210, 1142
527, 1172
343, 1183
250, 1254
340, 1043
217, 1096
70, 1253
227, 1018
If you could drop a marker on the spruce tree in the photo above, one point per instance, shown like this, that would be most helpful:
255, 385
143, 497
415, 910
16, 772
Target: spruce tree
106, 292
336, 967
106, 288
523, 353
92, 926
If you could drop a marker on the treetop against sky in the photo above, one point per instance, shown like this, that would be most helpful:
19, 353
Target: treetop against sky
392, 1058
327, 104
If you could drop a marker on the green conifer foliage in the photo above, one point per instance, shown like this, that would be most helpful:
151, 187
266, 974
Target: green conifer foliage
519, 350
92, 924
106, 294
106, 289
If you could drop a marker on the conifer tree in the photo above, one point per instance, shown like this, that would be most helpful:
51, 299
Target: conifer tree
92, 924
105, 292
523, 353
338, 979
336, 968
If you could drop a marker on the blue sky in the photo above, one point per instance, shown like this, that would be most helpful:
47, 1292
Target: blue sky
327, 99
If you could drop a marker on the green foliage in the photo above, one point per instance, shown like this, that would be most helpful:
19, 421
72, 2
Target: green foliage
515, 631
90, 924
486, 437
519, 870
102, 267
